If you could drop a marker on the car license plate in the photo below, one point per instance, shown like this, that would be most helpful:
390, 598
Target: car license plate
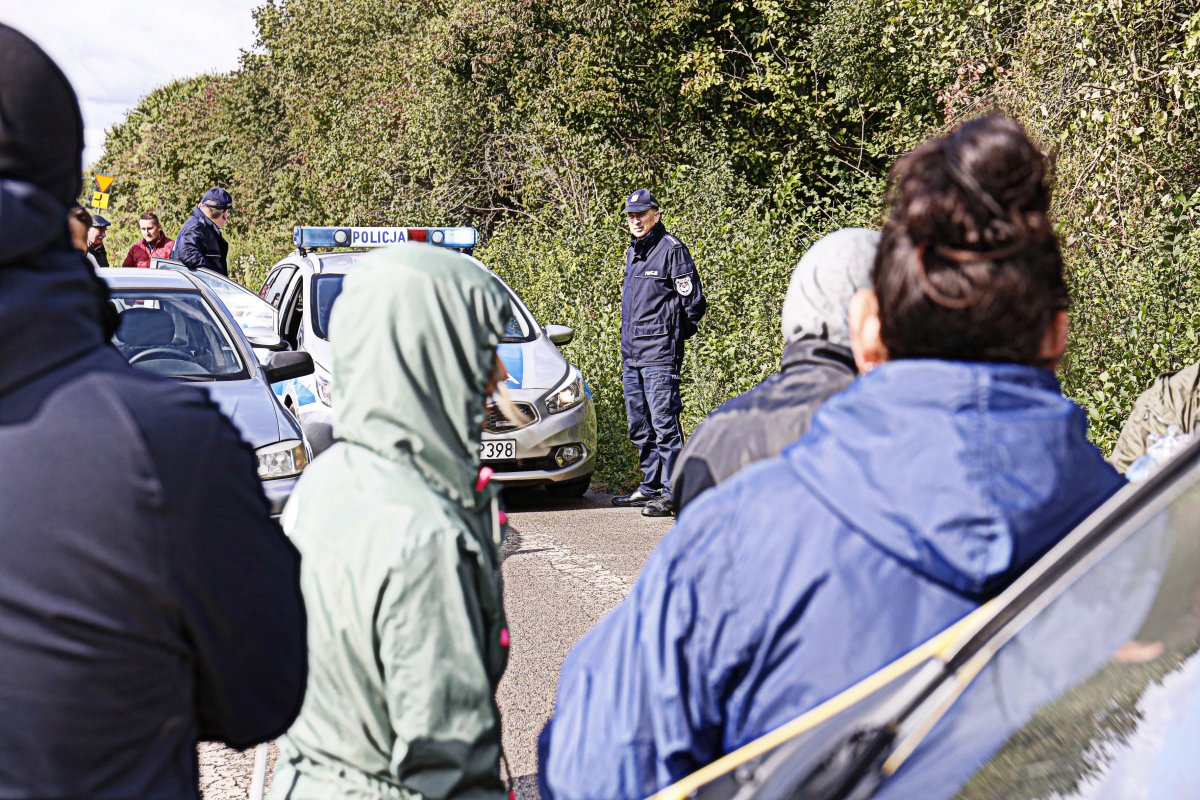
498, 450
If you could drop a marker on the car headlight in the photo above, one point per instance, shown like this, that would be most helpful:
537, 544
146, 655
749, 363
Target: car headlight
324, 382
568, 395
281, 460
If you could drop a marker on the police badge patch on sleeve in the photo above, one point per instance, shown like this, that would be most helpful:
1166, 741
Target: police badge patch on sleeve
684, 285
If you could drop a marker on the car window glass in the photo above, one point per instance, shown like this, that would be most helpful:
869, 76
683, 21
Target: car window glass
247, 308
517, 328
276, 284
1098, 696
326, 289
176, 334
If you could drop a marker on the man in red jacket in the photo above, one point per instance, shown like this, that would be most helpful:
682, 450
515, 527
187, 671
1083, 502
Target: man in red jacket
154, 243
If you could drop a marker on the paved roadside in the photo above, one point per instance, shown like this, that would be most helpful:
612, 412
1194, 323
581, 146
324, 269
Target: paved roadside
566, 565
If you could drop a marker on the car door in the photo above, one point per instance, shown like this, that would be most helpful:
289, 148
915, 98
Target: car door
1082, 680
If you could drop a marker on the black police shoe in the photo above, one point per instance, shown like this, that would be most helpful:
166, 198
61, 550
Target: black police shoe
635, 499
659, 507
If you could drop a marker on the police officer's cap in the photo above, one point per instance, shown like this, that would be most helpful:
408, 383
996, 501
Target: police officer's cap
99, 221
640, 200
217, 198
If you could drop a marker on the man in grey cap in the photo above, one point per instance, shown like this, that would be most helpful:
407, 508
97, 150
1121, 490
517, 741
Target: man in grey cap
817, 363
200, 243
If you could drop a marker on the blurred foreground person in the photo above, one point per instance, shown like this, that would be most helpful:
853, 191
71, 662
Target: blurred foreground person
401, 543
816, 364
919, 492
146, 599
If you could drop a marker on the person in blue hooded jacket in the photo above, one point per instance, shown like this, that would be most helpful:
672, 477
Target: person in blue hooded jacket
921, 491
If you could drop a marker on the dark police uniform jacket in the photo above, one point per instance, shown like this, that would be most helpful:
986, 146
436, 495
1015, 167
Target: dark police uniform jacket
200, 244
662, 300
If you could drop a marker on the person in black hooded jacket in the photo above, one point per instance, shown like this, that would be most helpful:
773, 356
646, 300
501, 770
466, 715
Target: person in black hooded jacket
147, 600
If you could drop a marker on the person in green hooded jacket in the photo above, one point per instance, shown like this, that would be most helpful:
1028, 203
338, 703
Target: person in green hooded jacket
400, 541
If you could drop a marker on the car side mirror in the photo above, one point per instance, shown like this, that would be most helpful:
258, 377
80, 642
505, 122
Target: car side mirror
560, 334
266, 338
288, 364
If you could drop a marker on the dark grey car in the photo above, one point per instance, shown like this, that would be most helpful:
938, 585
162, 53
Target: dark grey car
171, 324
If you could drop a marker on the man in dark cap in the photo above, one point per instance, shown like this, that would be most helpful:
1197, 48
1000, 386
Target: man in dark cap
200, 243
147, 600
661, 306
96, 234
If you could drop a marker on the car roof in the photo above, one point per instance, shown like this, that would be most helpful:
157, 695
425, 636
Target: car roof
134, 278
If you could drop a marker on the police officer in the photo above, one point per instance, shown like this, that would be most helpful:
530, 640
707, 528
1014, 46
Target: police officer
661, 306
95, 241
200, 243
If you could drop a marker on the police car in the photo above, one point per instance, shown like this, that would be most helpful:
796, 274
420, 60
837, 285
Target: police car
556, 449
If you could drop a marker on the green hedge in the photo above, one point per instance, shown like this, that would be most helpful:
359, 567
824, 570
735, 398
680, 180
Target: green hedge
760, 124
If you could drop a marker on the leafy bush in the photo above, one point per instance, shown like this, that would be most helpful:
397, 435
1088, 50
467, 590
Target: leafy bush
761, 124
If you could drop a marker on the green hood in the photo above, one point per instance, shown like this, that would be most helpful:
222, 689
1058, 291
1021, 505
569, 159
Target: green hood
414, 338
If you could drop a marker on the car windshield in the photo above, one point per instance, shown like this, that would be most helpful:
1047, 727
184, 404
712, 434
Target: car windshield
174, 333
326, 288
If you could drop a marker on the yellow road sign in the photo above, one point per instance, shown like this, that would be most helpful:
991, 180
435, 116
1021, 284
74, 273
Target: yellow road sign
99, 199
103, 182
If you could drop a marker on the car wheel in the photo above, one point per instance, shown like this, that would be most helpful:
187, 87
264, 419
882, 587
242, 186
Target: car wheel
575, 488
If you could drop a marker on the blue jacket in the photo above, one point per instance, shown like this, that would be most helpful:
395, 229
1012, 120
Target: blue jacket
147, 600
200, 244
661, 302
919, 492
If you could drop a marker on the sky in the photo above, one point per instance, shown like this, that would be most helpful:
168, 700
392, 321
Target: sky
115, 52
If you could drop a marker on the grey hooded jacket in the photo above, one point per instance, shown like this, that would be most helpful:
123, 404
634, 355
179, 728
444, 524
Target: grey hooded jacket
407, 637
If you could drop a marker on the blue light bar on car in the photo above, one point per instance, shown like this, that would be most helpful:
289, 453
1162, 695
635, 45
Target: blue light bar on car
309, 237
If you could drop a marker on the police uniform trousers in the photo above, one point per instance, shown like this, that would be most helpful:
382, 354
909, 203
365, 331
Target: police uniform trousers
653, 406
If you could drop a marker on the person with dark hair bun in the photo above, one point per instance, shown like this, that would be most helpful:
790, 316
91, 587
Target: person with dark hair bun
969, 267
919, 492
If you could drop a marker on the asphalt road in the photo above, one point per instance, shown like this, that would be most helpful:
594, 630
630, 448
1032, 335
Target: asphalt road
566, 564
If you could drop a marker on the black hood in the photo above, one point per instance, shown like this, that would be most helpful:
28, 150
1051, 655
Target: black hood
53, 307
41, 129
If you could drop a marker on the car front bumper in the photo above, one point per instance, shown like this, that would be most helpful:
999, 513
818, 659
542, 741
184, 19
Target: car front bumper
278, 490
536, 444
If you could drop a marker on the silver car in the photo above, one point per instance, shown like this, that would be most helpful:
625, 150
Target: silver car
171, 324
557, 449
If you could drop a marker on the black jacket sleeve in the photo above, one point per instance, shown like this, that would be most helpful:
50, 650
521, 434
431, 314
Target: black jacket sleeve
237, 577
196, 247
685, 280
